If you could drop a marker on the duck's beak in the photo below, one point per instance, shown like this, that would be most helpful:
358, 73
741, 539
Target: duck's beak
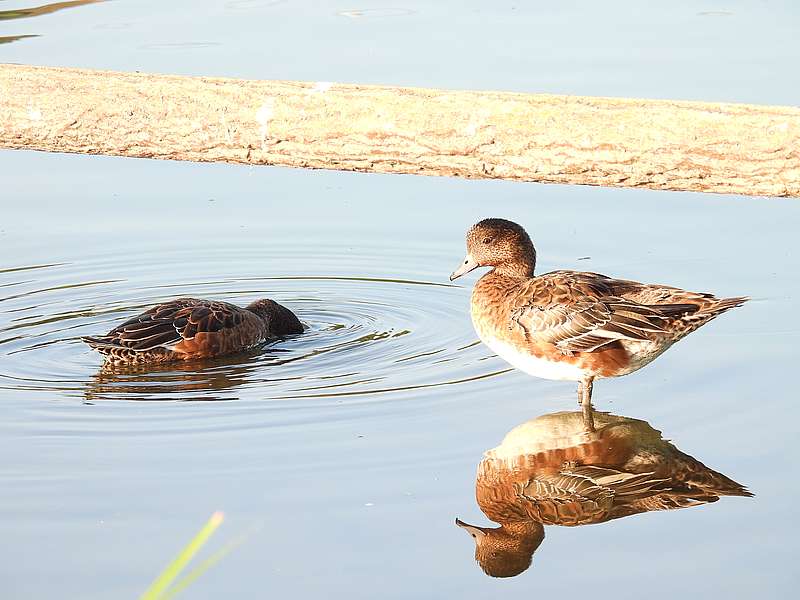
477, 532
468, 265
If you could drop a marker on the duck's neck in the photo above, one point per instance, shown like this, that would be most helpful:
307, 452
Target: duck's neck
520, 265
520, 262
523, 529
516, 270
264, 308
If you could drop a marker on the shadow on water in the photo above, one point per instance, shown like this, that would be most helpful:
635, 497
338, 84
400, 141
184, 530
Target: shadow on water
553, 470
205, 380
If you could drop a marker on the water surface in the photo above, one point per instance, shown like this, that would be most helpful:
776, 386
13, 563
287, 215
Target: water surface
344, 455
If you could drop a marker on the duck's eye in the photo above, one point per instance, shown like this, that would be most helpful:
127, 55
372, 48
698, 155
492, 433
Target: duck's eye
487, 240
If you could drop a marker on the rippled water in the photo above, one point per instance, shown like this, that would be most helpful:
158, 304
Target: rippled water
364, 335
342, 456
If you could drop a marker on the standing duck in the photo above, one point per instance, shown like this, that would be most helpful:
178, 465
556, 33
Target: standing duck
572, 325
189, 328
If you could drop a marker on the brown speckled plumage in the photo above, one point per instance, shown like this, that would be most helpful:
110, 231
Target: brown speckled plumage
588, 325
190, 328
550, 471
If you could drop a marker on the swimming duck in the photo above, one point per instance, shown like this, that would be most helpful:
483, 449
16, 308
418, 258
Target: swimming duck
190, 328
572, 325
549, 471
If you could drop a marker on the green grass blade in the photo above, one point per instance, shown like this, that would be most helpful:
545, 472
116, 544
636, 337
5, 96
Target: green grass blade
204, 566
157, 589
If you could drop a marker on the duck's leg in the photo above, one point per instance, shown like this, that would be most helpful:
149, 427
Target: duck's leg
588, 417
585, 400
585, 391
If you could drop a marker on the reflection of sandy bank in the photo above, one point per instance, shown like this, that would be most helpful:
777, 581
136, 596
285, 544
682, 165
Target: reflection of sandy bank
45, 9
7, 39
552, 471
36, 11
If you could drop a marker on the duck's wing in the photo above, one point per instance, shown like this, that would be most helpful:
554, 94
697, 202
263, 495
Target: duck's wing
583, 494
184, 321
581, 313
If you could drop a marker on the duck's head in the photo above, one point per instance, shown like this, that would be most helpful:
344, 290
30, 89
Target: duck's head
501, 244
505, 551
281, 320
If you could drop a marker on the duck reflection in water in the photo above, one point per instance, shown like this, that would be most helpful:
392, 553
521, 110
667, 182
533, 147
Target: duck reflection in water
553, 470
211, 379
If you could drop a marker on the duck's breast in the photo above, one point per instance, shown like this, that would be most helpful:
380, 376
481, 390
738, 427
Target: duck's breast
490, 309
535, 360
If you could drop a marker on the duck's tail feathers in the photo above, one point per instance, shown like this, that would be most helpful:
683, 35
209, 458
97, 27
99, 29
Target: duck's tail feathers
99, 343
707, 309
718, 306
729, 303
